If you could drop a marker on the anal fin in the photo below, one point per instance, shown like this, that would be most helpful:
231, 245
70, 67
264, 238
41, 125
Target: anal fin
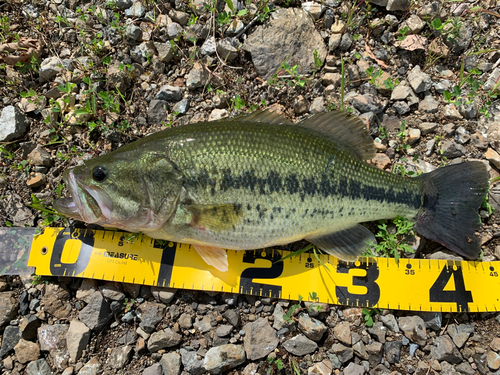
346, 244
213, 256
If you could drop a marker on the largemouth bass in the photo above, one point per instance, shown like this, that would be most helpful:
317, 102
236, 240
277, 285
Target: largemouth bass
258, 180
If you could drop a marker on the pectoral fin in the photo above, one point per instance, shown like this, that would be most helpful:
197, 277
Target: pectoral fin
214, 256
346, 244
214, 217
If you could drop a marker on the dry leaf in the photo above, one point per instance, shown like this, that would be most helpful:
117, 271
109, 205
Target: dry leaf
20, 51
412, 42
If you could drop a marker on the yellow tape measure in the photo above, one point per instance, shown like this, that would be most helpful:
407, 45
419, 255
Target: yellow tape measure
410, 284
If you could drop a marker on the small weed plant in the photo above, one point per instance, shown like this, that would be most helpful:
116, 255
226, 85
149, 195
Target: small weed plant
368, 314
392, 242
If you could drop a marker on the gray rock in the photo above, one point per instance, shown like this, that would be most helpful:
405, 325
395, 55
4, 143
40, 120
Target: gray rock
137, 10
179, 17
224, 330
465, 368
432, 320
395, 5
334, 42
401, 107
401, 92
191, 363
453, 150
122, 4
344, 353
428, 105
462, 136
170, 93
118, 78
492, 79
13, 124
428, 127
203, 325
375, 352
112, 291
354, 369
174, 30
197, 77
317, 105
38, 367
133, 32
185, 321
142, 52
163, 339
460, 43
419, 81
29, 326
52, 339
171, 363
92, 367
442, 86
444, 350
414, 328
360, 351
290, 33
155, 369
460, 334
260, 339
223, 358
157, 111
50, 68
97, 313
10, 337
468, 111
8, 307
369, 103
77, 338
227, 49
345, 42
378, 331
279, 321
120, 356
300, 345
451, 112
235, 27
342, 332
314, 329
446, 255
392, 350
181, 107
390, 322
208, 47
165, 51
40, 157
480, 141
313, 8
232, 317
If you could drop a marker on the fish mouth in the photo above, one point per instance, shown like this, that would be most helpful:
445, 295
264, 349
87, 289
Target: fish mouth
87, 203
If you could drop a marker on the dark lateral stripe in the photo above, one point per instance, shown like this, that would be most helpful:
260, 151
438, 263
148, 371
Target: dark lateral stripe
292, 184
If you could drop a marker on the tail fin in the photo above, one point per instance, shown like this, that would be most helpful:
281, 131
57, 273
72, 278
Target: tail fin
452, 197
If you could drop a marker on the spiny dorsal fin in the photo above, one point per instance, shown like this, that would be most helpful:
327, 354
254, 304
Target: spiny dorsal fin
265, 116
345, 128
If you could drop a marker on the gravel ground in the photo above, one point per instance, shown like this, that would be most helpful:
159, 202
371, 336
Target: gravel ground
82, 78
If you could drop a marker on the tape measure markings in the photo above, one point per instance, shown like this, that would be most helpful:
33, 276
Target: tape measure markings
376, 282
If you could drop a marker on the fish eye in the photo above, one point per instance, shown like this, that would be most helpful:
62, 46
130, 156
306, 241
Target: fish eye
99, 173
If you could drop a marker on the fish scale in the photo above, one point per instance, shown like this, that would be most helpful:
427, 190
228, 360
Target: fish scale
229, 172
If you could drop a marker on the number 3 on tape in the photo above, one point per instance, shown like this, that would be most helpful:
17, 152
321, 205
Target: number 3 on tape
460, 295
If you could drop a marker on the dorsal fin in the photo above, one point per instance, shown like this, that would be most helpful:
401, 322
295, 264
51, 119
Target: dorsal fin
345, 128
265, 116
